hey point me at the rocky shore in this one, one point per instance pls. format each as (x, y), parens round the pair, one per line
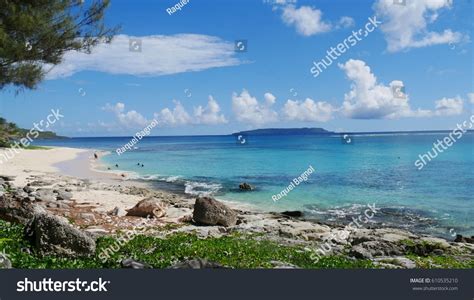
(64, 216)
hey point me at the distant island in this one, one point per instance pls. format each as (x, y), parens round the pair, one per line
(286, 131)
(322, 131)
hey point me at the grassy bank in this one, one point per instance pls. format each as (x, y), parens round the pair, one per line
(235, 251)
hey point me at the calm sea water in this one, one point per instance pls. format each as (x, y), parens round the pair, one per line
(439, 199)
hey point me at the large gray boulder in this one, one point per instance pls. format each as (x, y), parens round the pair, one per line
(54, 235)
(13, 209)
(208, 211)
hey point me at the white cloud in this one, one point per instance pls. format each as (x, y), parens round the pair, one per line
(279, 2)
(308, 111)
(269, 99)
(129, 119)
(368, 99)
(247, 109)
(471, 97)
(177, 116)
(307, 21)
(160, 55)
(449, 106)
(209, 114)
(346, 22)
(407, 26)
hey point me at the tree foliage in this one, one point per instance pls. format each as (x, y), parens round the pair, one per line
(36, 33)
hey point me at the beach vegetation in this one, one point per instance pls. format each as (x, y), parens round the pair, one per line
(235, 251)
(10, 132)
(35, 35)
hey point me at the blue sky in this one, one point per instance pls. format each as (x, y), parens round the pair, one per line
(189, 77)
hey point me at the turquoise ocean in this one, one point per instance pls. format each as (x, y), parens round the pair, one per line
(373, 168)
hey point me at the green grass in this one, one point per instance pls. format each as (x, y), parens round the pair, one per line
(417, 247)
(237, 251)
(451, 260)
(441, 262)
(32, 147)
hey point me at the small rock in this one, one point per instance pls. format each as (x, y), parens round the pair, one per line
(462, 239)
(245, 186)
(30, 199)
(28, 189)
(186, 219)
(117, 211)
(89, 217)
(62, 205)
(129, 263)
(148, 207)
(294, 213)
(5, 263)
(282, 265)
(7, 178)
(45, 195)
(358, 251)
(21, 195)
(395, 262)
(63, 195)
(39, 183)
(197, 264)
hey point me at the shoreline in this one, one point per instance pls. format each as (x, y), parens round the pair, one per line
(72, 184)
(80, 164)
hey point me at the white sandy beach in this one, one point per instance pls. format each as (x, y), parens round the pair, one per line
(70, 162)
(35, 162)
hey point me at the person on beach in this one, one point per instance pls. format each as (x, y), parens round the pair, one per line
(95, 156)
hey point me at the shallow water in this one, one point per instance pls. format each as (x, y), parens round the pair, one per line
(373, 169)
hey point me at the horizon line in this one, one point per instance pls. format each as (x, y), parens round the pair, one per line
(238, 132)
